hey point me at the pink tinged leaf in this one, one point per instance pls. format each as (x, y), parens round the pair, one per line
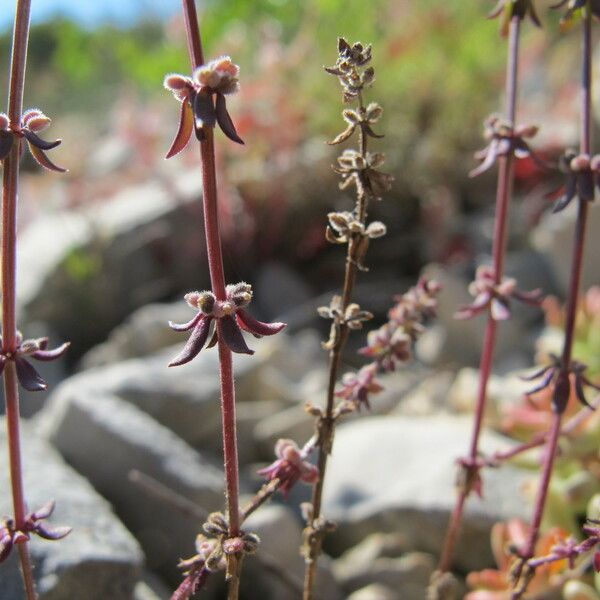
(42, 160)
(6, 143)
(204, 110)
(499, 310)
(252, 325)
(38, 142)
(231, 334)
(52, 533)
(47, 355)
(28, 377)
(186, 126)
(194, 344)
(186, 326)
(225, 122)
(44, 512)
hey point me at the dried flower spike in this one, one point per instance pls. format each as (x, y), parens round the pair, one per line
(232, 319)
(203, 103)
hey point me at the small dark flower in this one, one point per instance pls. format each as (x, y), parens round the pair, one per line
(507, 9)
(37, 349)
(582, 175)
(290, 467)
(10, 535)
(31, 122)
(230, 317)
(559, 379)
(505, 140)
(357, 387)
(202, 98)
(493, 296)
(574, 8)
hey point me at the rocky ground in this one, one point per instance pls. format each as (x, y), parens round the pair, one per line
(123, 412)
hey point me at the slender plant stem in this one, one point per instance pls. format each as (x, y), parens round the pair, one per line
(503, 197)
(327, 421)
(217, 278)
(572, 301)
(9, 272)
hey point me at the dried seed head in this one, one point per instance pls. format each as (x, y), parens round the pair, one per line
(376, 229)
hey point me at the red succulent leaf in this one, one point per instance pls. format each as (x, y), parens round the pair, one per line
(194, 344)
(258, 328)
(186, 126)
(230, 333)
(28, 377)
(224, 120)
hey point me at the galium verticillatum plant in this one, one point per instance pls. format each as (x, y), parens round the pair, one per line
(221, 313)
(17, 129)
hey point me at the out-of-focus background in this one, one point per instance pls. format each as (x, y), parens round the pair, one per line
(107, 250)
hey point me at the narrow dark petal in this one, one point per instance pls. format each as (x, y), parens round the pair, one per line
(533, 297)
(194, 344)
(570, 191)
(204, 110)
(42, 160)
(6, 142)
(186, 126)
(52, 533)
(585, 186)
(231, 335)
(536, 374)
(534, 16)
(6, 545)
(587, 382)
(225, 122)
(38, 142)
(186, 326)
(46, 355)
(580, 392)
(370, 132)
(522, 149)
(2, 363)
(544, 383)
(249, 323)
(44, 512)
(28, 377)
(214, 339)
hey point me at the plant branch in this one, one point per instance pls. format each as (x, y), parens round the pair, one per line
(503, 197)
(217, 277)
(8, 283)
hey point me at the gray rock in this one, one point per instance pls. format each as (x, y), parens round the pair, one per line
(397, 474)
(428, 397)
(184, 399)
(119, 255)
(375, 591)
(105, 439)
(553, 238)
(99, 559)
